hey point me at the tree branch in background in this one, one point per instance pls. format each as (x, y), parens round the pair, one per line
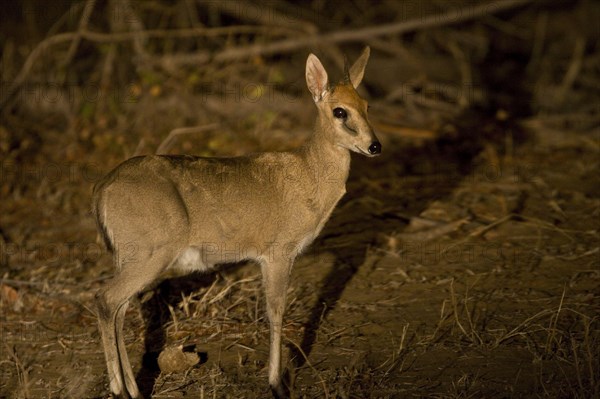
(83, 23)
(354, 35)
(283, 46)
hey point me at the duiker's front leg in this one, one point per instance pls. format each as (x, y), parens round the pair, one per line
(276, 276)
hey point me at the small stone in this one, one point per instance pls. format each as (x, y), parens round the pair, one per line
(174, 360)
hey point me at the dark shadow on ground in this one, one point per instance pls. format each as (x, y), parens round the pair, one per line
(155, 312)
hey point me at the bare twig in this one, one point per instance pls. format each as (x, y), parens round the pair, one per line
(538, 42)
(554, 322)
(52, 284)
(455, 311)
(132, 22)
(434, 232)
(83, 22)
(168, 142)
(192, 12)
(573, 70)
(105, 77)
(403, 131)
(354, 35)
(22, 371)
(301, 351)
(464, 66)
(267, 15)
(74, 9)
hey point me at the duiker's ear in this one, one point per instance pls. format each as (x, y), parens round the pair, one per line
(358, 69)
(316, 78)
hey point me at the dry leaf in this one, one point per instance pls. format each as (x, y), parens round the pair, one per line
(11, 297)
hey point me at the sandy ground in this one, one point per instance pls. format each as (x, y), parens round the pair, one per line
(444, 272)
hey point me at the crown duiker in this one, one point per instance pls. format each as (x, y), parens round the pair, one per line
(175, 209)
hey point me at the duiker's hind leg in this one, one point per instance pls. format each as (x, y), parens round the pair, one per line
(130, 383)
(112, 305)
(107, 327)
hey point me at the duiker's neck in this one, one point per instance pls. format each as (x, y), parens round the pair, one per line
(323, 152)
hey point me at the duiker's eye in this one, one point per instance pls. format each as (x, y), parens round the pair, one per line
(340, 113)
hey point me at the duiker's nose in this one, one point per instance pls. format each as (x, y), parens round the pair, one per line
(375, 148)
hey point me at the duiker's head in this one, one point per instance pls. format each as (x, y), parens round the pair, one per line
(341, 107)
